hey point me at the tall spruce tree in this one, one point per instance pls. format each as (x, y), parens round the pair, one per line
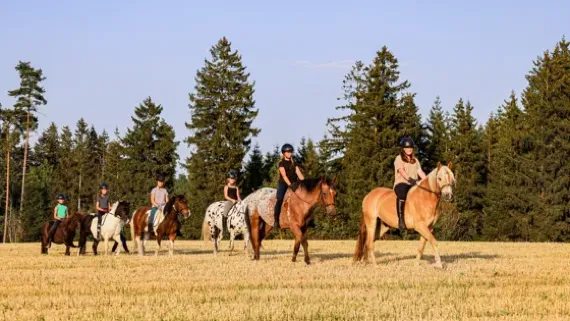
(380, 113)
(222, 110)
(65, 177)
(437, 139)
(30, 96)
(82, 164)
(546, 100)
(149, 150)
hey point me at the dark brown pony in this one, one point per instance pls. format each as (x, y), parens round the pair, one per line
(169, 224)
(64, 234)
(86, 224)
(296, 212)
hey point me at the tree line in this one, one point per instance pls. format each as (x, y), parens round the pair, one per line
(512, 173)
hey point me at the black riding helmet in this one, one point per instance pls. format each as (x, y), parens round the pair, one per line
(160, 178)
(60, 196)
(231, 174)
(287, 148)
(103, 185)
(407, 142)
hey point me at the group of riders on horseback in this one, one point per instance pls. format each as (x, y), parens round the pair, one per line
(407, 172)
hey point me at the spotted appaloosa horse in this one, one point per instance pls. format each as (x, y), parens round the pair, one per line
(421, 212)
(112, 224)
(63, 235)
(298, 205)
(213, 226)
(164, 224)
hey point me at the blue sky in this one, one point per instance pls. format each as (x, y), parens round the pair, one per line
(102, 58)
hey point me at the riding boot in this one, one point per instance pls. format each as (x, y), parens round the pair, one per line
(400, 207)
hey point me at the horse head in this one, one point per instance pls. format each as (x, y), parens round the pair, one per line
(445, 179)
(121, 209)
(179, 204)
(328, 194)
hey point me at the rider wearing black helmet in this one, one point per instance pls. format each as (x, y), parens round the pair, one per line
(407, 170)
(231, 191)
(102, 205)
(289, 173)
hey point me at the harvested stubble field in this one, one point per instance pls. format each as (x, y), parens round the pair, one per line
(480, 281)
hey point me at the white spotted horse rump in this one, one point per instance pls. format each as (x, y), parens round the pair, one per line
(215, 216)
(263, 201)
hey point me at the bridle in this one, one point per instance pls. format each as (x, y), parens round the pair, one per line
(438, 194)
(322, 197)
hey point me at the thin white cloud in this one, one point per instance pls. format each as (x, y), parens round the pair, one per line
(341, 64)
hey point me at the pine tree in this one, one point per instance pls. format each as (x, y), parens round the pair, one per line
(380, 113)
(270, 162)
(253, 176)
(82, 164)
(310, 165)
(546, 101)
(30, 96)
(149, 150)
(65, 177)
(46, 149)
(222, 110)
(437, 140)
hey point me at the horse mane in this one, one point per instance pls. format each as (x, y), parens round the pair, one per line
(309, 184)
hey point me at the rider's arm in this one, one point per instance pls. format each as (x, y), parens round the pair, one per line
(403, 173)
(284, 175)
(97, 206)
(55, 213)
(239, 197)
(299, 174)
(152, 200)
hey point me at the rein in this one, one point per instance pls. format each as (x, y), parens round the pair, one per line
(321, 196)
(440, 187)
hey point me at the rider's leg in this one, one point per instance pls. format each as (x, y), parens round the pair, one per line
(401, 195)
(99, 218)
(281, 190)
(151, 220)
(52, 232)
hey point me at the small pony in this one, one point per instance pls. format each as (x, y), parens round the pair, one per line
(112, 224)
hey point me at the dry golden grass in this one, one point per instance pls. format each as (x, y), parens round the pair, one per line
(480, 281)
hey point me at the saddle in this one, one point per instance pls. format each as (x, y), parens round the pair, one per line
(158, 218)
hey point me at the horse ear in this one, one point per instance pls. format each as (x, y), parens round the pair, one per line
(334, 180)
(449, 165)
(438, 165)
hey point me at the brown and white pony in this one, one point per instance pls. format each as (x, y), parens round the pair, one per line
(64, 234)
(166, 223)
(421, 212)
(297, 210)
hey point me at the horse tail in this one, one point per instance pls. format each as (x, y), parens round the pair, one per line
(359, 251)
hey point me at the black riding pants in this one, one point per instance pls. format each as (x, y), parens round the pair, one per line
(53, 229)
(402, 190)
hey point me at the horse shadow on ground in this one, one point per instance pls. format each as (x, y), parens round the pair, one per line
(445, 258)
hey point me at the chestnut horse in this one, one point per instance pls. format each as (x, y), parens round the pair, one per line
(297, 210)
(64, 234)
(421, 212)
(164, 225)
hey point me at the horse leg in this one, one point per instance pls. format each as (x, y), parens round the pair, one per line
(426, 233)
(140, 242)
(246, 243)
(106, 246)
(67, 253)
(298, 238)
(232, 237)
(421, 249)
(305, 245)
(171, 248)
(255, 221)
(158, 240)
(117, 239)
(95, 244)
(370, 234)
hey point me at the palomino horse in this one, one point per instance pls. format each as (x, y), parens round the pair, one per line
(213, 226)
(63, 235)
(112, 224)
(421, 212)
(164, 225)
(297, 210)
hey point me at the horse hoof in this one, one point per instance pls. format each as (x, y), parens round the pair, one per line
(438, 265)
(308, 262)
